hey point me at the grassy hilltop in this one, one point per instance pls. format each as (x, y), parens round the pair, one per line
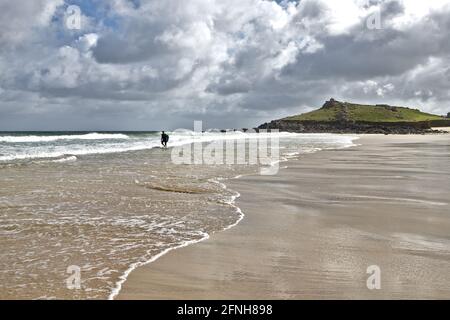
(344, 111)
(345, 117)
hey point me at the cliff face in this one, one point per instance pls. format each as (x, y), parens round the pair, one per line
(343, 117)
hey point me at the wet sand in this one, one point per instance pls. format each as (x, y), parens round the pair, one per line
(446, 129)
(311, 231)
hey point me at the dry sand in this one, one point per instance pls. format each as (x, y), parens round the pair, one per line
(311, 231)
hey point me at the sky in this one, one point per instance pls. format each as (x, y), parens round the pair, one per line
(152, 65)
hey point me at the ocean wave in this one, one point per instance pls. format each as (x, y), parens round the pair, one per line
(87, 136)
(98, 143)
(57, 152)
(66, 159)
(103, 145)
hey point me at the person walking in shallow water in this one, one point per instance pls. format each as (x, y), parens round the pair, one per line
(164, 139)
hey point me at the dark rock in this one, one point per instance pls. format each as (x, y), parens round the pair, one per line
(331, 103)
(348, 127)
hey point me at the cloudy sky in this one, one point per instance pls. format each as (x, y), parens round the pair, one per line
(147, 64)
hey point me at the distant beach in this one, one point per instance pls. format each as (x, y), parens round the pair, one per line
(312, 231)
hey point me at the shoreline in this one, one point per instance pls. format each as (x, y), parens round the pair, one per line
(320, 244)
(123, 278)
(116, 292)
(143, 205)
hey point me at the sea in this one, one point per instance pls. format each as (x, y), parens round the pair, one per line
(79, 211)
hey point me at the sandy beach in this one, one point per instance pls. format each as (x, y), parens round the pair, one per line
(228, 150)
(54, 194)
(311, 231)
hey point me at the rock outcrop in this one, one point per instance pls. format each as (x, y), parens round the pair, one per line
(348, 127)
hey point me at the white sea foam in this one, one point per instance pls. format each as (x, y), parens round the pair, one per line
(96, 143)
(66, 159)
(88, 136)
(62, 159)
(204, 236)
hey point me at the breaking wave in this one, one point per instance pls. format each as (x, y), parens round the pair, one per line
(38, 138)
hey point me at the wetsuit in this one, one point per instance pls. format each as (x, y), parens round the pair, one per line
(164, 139)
